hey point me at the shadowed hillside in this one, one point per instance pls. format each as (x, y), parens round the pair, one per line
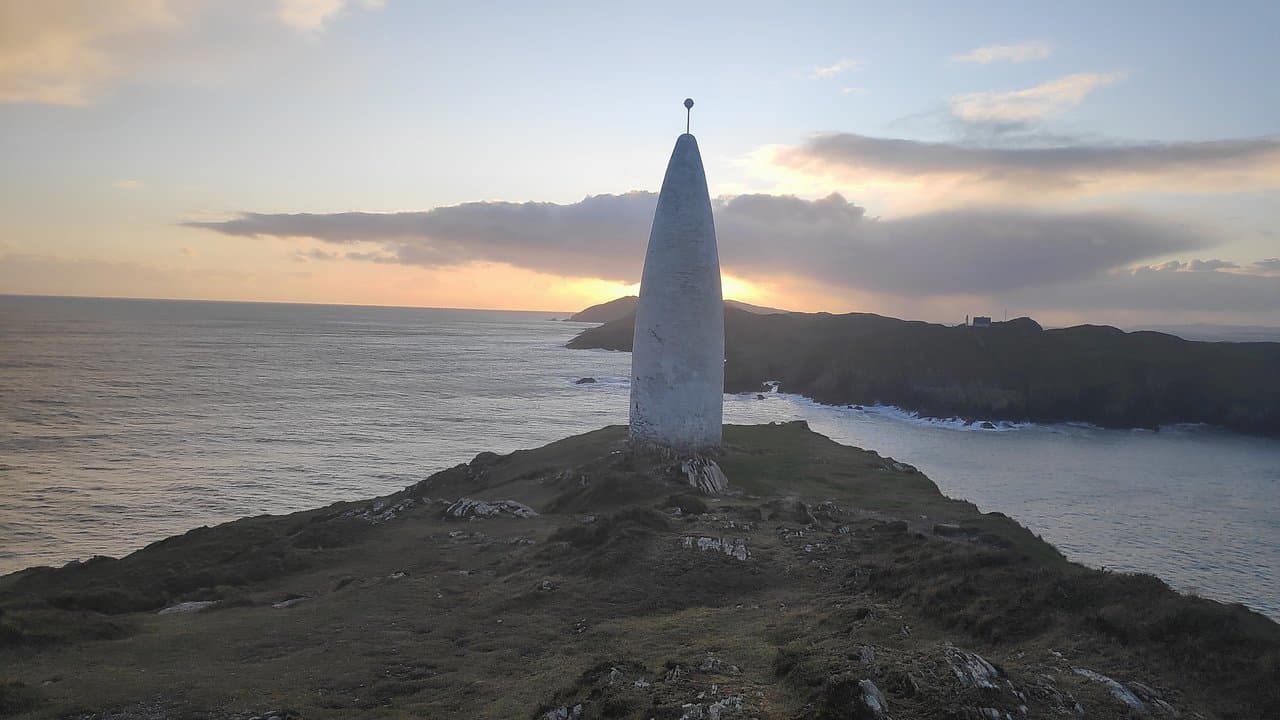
(1010, 371)
(827, 582)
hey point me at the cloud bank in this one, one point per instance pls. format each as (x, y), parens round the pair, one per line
(829, 240)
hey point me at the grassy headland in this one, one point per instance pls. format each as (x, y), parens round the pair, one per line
(1010, 371)
(829, 575)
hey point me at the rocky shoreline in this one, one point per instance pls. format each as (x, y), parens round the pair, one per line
(786, 576)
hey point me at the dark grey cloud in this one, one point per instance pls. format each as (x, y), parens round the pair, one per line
(1268, 265)
(830, 240)
(601, 236)
(1071, 166)
(1160, 289)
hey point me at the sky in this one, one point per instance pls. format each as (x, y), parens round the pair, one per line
(1076, 162)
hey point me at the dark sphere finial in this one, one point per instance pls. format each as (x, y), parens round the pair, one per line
(688, 103)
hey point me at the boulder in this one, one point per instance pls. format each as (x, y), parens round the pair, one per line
(873, 701)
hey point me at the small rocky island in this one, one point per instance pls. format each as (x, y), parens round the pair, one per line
(1015, 370)
(589, 579)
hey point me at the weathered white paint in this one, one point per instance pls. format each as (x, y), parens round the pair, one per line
(677, 357)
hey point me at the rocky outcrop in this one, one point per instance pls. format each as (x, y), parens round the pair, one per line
(469, 509)
(704, 475)
(381, 510)
(973, 670)
(735, 548)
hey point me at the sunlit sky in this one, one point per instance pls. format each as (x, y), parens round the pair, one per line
(1101, 162)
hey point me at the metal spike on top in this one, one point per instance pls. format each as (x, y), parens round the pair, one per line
(688, 113)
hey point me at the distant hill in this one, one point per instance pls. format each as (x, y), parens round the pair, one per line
(625, 306)
(1013, 370)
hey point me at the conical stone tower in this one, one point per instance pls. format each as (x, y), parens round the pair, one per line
(677, 360)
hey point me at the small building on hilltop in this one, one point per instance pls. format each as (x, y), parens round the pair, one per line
(981, 321)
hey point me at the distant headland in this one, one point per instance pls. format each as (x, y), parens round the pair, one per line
(1009, 371)
(624, 307)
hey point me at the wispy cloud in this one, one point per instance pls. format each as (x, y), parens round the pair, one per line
(1029, 104)
(127, 184)
(315, 14)
(1195, 265)
(956, 173)
(68, 52)
(55, 52)
(1016, 53)
(835, 69)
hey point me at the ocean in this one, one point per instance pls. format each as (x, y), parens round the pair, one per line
(126, 421)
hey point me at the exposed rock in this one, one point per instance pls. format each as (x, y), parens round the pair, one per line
(710, 663)
(704, 475)
(724, 708)
(953, 530)
(733, 547)
(380, 510)
(184, 608)
(1117, 690)
(285, 604)
(873, 700)
(866, 655)
(1152, 699)
(467, 508)
(988, 425)
(564, 712)
(584, 381)
(1043, 688)
(972, 670)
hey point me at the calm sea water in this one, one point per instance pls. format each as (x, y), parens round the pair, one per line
(124, 421)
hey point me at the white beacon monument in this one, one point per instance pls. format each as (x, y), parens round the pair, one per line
(677, 356)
